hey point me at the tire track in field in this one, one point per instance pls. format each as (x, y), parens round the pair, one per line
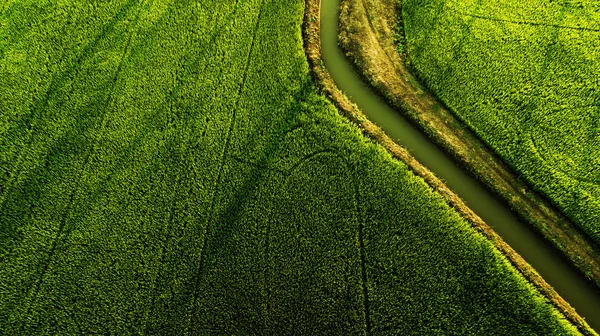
(549, 55)
(526, 129)
(220, 172)
(529, 125)
(57, 80)
(588, 154)
(363, 253)
(361, 244)
(283, 172)
(548, 162)
(267, 269)
(144, 133)
(34, 289)
(360, 228)
(137, 141)
(265, 165)
(179, 82)
(263, 170)
(258, 165)
(306, 158)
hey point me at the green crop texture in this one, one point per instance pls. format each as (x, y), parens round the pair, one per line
(168, 167)
(524, 75)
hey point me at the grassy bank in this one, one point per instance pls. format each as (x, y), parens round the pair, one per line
(523, 76)
(169, 167)
(371, 34)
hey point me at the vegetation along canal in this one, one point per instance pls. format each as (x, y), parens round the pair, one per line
(555, 269)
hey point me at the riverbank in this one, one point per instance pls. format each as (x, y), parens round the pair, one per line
(311, 34)
(367, 35)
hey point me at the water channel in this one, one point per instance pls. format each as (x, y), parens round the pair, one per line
(550, 263)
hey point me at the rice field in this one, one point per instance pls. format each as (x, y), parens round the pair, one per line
(524, 76)
(168, 167)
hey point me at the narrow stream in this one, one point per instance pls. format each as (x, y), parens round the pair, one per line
(551, 264)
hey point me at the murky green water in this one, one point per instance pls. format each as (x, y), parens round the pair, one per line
(555, 269)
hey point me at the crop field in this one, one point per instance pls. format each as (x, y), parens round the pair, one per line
(524, 76)
(169, 167)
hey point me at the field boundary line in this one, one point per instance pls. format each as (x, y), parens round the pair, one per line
(312, 45)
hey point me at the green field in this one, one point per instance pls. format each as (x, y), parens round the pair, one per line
(524, 76)
(168, 167)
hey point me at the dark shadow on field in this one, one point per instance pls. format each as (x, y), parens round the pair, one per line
(56, 91)
(64, 151)
(256, 176)
(65, 79)
(262, 179)
(93, 112)
(60, 81)
(65, 144)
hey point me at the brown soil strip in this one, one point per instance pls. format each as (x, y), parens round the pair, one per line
(420, 99)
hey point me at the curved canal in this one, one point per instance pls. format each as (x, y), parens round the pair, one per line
(551, 264)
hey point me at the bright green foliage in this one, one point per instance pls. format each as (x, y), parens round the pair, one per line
(524, 75)
(168, 167)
